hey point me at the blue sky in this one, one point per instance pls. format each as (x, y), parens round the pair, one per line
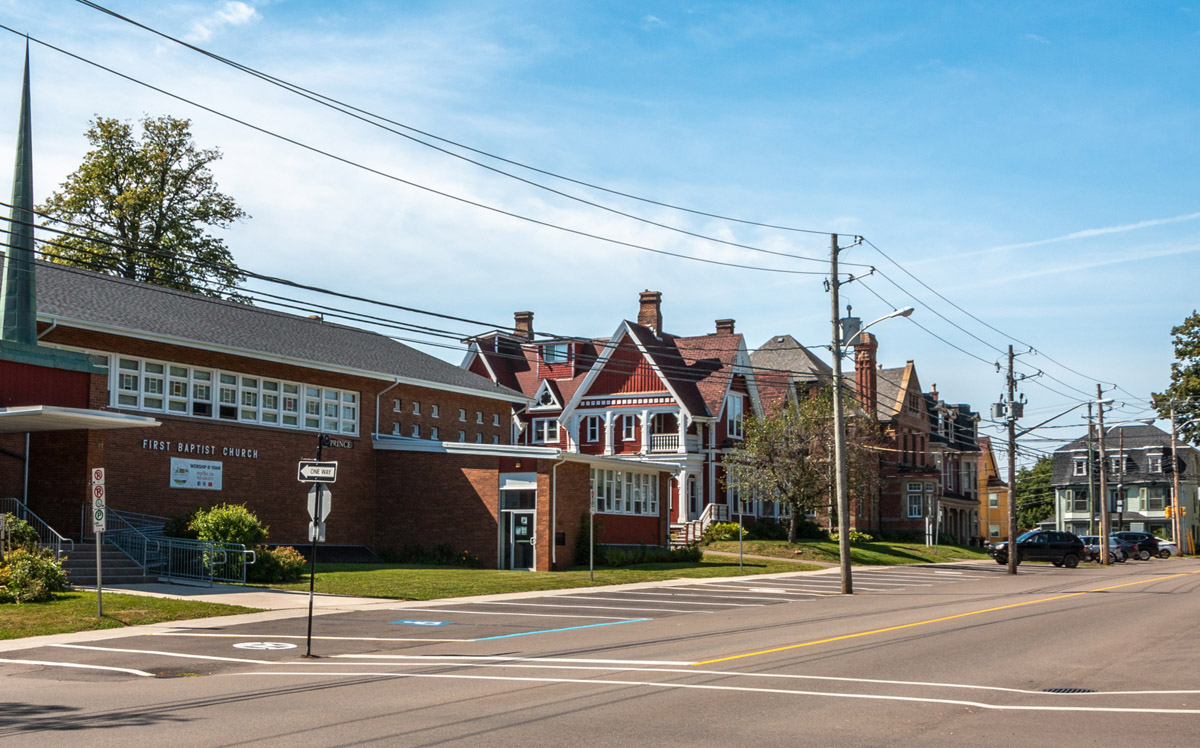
(1033, 162)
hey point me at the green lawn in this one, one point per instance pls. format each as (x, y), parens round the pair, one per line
(413, 582)
(881, 554)
(76, 611)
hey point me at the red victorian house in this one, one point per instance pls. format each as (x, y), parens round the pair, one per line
(642, 395)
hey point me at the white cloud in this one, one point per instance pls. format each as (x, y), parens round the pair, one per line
(230, 13)
(1037, 38)
(652, 22)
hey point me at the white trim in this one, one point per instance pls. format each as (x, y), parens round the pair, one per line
(602, 360)
(323, 366)
(27, 418)
(405, 444)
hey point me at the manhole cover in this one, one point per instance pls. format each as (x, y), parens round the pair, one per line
(1068, 690)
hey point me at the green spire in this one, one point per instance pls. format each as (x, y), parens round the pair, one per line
(18, 294)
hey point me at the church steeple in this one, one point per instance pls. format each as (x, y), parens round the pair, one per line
(18, 294)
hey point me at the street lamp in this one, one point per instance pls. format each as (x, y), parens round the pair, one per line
(839, 427)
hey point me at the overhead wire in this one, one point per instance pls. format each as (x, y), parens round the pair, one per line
(392, 177)
(348, 108)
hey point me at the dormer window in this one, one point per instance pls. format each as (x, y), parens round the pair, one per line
(735, 416)
(554, 353)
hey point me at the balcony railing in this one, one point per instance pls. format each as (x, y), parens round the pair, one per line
(664, 442)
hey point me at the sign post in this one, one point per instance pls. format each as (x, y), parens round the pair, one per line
(99, 524)
(319, 500)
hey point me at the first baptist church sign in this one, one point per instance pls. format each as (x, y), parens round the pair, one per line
(191, 448)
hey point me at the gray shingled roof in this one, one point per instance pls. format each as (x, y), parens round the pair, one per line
(1137, 439)
(786, 353)
(74, 294)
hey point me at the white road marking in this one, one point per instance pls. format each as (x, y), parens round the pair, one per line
(302, 636)
(499, 613)
(470, 659)
(742, 689)
(597, 607)
(756, 590)
(47, 663)
(159, 653)
(643, 600)
(720, 595)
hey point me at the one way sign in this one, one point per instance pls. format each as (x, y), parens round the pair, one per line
(312, 471)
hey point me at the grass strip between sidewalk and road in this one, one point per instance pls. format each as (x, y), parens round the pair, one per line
(69, 612)
(862, 554)
(415, 582)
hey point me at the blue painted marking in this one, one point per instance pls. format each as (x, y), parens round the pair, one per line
(568, 628)
(421, 623)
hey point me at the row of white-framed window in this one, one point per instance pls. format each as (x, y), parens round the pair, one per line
(434, 434)
(435, 412)
(625, 492)
(200, 392)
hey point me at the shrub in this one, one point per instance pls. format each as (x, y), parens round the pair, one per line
(806, 529)
(30, 577)
(767, 529)
(614, 556)
(902, 536)
(228, 523)
(720, 531)
(180, 526)
(855, 537)
(20, 533)
(274, 565)
(441, 555)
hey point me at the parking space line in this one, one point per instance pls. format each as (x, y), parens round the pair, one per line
(80, 665)
(597, 607)
(502, 613)
(755, 590)
(641, 600)
(302, 636)
(696, 594)
(510, 658)
(568, 628)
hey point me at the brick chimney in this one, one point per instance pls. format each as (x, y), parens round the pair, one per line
(724, 327)
(650, 311)
(523, 325)
(933, 392)
(865, 373)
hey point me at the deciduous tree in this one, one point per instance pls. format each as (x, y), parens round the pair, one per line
(144, 209)
(1184, 391)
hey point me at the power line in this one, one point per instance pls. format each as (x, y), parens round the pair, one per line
(348, 109)
(410, 183)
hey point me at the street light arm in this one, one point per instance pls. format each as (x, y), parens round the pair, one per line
(1048, 420)
(901, 312)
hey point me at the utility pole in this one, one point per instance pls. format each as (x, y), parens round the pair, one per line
(1091, 473)
(1105, 558)
(839, 428)
(1121, 479)
(1176, 520)
(1012, 466)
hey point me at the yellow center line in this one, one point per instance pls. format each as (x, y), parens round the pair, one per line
(939, 620)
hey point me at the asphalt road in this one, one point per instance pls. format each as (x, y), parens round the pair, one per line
(930, 656)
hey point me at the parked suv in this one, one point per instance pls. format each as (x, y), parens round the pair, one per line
(1147, 544)
(1118, 549)
(1059, 548)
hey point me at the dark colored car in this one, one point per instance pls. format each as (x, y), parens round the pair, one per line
(1147, 544)
(1059, 548)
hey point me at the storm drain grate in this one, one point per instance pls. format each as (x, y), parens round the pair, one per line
(1068, 690)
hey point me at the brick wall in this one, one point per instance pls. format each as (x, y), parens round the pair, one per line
(258, 462)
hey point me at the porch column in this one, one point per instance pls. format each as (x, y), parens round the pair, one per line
(608, 432)
(645, 416)
(681, 419)
(682, 510)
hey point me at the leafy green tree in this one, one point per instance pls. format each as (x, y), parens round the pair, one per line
(142, 209)
(1035, 497)
(786, 456)
(1184, 391)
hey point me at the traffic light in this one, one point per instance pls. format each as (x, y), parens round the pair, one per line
(1168, 512)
